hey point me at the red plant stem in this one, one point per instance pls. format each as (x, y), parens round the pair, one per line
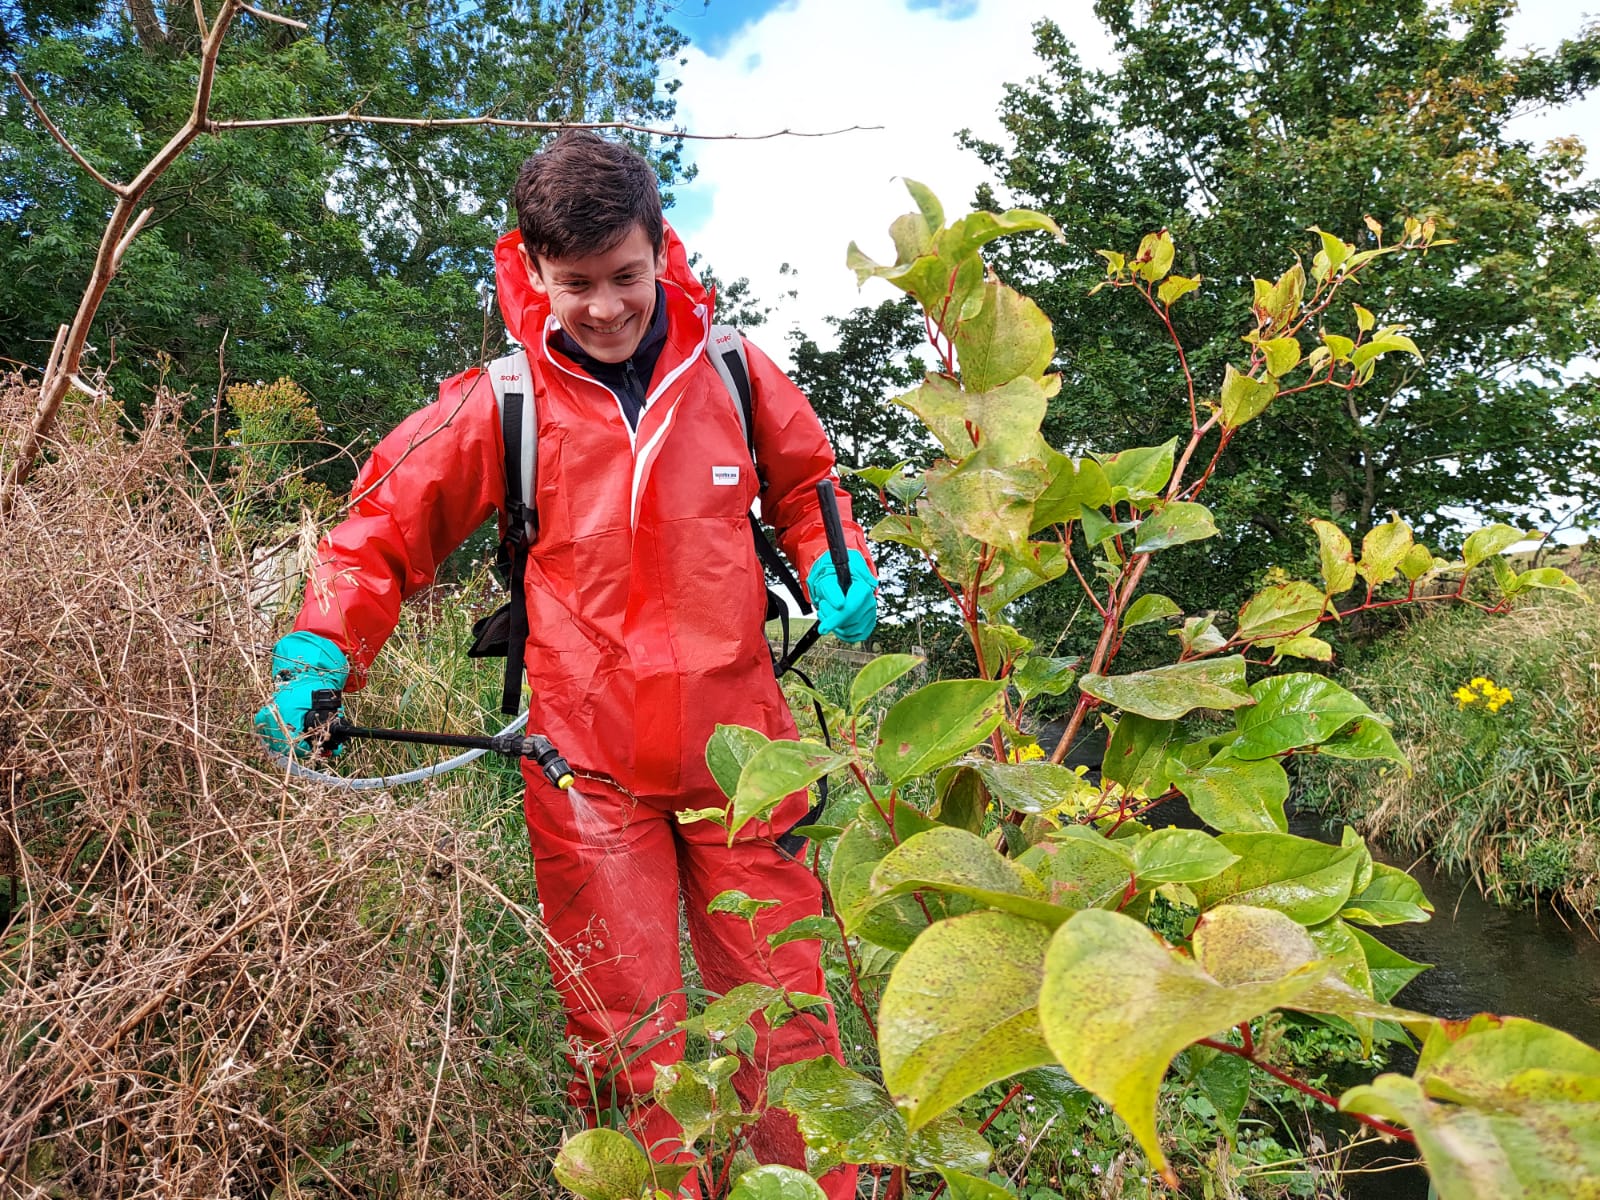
(1188, 452)
(1183, 361)
(1015, 1091)
(1369, 605)
(888, 817)
(1087, 590)
(1193, 490)
(854, 969)
(1282, 1076)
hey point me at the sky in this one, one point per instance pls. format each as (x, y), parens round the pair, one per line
(921, 69)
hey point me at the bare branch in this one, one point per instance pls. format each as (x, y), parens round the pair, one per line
(115, 189)
(278, 18)
(55, 356)
(113, 243)
(353, 118)
(127, 238)
(87, 389)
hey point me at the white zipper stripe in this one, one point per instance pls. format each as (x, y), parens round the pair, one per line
(646, 457)
(642, 459)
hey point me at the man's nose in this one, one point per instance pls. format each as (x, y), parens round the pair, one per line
(605, 305)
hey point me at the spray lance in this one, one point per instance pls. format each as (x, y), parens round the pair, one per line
(325, 722)
(332, 730)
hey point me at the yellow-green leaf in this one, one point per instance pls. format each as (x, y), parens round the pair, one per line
(1117, 1006)
(1281, 303)
(1173, 524)
(1303, 646)
(961, 1011)
(1281, 609)
(1338, 563)
(1487, 542)
(1383, 550)
(1417, 562)
(1283, 355)
(1009, 337)
(1150, 607)
(1167, 693)
(1154, 258)
(1244, 398)
(1174, 287)
(936, 723)
(1502, 1109)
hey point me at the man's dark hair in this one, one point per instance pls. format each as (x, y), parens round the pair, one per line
(581, 195)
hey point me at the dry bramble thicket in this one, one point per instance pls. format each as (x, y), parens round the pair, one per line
(214, 980)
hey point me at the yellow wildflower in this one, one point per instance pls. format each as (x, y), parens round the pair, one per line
(1481, 687)
(1027, 753)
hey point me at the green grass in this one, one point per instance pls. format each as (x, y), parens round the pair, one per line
(1512, 796)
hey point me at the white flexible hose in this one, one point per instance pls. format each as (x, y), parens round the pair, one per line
(372, 782)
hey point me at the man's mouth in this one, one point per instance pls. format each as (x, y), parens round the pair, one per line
(608, 330)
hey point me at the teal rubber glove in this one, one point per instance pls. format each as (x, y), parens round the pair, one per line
(852, 617)
(302, 663)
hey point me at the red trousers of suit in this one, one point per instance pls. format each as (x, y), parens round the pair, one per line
(610, 870)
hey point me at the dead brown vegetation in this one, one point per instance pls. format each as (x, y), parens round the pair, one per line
(215, 980)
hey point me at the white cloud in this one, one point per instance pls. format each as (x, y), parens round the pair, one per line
(920, 72)
(922, 69)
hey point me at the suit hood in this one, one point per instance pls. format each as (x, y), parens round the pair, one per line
(525, 309)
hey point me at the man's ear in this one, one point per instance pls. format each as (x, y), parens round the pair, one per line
(661, 260)
(533, 270)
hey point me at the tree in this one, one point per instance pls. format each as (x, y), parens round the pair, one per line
(353, 259)
(1237, 126)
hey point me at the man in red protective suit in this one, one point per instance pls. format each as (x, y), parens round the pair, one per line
(646, 606)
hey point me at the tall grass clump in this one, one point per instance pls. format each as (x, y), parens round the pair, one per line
(1507, 789)
(216, 980)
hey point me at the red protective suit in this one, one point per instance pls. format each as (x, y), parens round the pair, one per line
(645, 609)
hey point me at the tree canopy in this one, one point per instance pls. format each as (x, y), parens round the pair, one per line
(1240, 126)
(352, 258)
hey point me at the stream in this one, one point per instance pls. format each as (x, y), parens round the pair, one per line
(1523, 963)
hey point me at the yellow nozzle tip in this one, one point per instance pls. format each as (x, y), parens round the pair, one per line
(564, 782)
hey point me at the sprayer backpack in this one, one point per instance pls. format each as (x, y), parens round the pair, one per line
(504, 632)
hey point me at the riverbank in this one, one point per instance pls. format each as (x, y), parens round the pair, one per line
(1505, 792)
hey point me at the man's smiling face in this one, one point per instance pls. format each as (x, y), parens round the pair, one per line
(604, 301)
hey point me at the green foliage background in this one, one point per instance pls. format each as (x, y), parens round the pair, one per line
(351, 259)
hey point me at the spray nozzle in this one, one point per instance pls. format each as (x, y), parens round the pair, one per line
(555, 767)
(539, 749)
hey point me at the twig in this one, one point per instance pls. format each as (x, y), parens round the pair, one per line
(1304, 1088)
(127, 238)
(115, 189)
(354, 118)
(276, 18)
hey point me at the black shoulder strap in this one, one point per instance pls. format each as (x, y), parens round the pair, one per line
(519, 432)
(726, 351)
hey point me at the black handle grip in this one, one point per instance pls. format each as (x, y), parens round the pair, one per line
(837, 550)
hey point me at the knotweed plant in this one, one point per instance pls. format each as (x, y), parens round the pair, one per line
(1047, 931)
